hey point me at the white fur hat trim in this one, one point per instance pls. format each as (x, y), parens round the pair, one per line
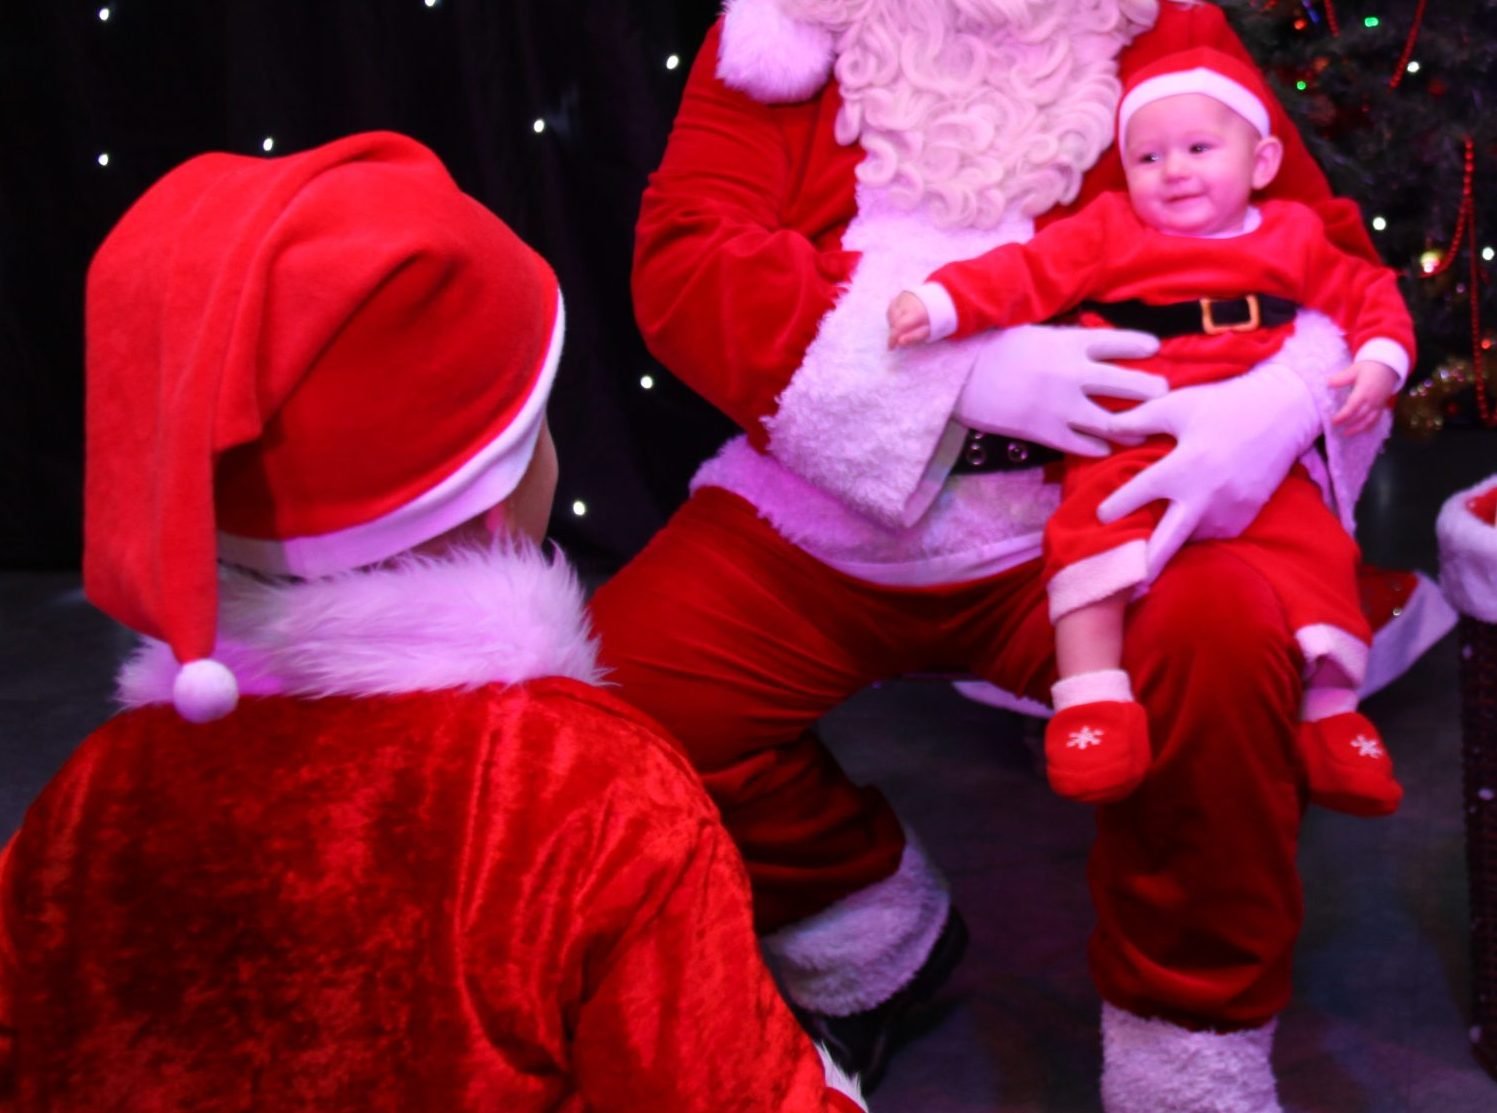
(1208, 82)
(771, 56)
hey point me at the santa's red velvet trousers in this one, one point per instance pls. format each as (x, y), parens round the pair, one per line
(738, 642)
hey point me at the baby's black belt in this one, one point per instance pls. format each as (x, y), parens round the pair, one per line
(989, 452)
(1204, 315)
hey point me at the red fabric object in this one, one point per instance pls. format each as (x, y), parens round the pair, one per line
(1197, 896)
(1484, 506)
(1348, 767)
(255, 326)
(1105, 253)
(511, 898)
(1097, 752)
(1295, 542)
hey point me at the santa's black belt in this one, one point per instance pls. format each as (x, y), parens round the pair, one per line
(1205, 315)
(987, 452)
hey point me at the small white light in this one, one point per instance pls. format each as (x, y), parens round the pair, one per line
(1412, 67)
(1378, 223)
(104, 161)
(1488, 254)
(648, 381)
(673, 61)
(539, 126)
(431, 3)
(579, 507)
(103, 15)
(267, 144)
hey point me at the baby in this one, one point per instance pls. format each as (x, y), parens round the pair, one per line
(1189, 257)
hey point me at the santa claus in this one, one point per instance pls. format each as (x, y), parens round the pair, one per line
(882, 512)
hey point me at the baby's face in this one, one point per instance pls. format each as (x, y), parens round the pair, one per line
(1192, 164)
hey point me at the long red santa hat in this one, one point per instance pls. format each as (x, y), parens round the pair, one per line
(301, 365)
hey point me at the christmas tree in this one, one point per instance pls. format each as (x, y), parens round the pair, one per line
(1390, 95)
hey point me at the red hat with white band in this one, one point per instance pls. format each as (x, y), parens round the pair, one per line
(300, 365)
(1211, 73)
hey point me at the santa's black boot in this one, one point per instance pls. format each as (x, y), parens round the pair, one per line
(862, 1042)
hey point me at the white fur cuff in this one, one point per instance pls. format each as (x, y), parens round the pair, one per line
(867, 946)
(1152, 1066)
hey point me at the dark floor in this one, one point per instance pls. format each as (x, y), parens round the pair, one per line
(1380, 1022)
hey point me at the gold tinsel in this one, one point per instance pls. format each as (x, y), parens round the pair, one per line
(1421, 409)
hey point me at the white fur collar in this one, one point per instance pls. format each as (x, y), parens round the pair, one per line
(468, 618)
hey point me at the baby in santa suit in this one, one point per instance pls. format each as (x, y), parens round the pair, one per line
(1187, 256)
(368, 835)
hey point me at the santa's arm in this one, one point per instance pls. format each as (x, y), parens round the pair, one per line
(679, 1011)
(727, 294)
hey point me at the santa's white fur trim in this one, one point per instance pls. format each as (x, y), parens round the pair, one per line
(1468, 555)
(858, 420)
(866, 947)
(978, 525)
(1097, 577)
(839, 1080)
(770, 55)
(1316, 350)
(1152, 1066)
(468, 618)
(1404, 638)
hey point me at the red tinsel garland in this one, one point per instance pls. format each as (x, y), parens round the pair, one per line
(1408, 46)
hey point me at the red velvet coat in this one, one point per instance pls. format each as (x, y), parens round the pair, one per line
(403, 895)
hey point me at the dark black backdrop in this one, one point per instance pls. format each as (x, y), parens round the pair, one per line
(162, 80)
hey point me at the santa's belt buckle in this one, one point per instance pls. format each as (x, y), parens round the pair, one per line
(1211, 328)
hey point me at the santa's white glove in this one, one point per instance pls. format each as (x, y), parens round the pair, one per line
(1034, 382)
(1236, 441)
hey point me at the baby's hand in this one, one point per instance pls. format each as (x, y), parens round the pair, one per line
(909, 323)
(1372, 384)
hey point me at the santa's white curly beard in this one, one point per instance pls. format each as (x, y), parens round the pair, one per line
(978, 110)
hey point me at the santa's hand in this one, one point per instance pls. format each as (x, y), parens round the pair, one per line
(1036, 382)
(1236, 441)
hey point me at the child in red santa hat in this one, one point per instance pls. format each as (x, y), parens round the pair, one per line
(368, 835)
(1188, 256)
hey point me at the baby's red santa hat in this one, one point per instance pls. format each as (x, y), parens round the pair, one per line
(301, 365)
(1199, 70)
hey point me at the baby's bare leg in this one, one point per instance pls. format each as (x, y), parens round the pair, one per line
(1090, 638)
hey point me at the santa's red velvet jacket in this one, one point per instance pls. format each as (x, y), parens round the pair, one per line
(763, 270)
(427, 864)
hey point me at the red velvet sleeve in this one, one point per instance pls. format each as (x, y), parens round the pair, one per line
(9, 967)
(1362, 297)
(728, 296)
(1027, 283)
(1181, 27)
(681, 1013)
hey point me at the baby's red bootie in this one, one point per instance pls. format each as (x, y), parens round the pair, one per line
(1348, 766)
(1097, 752)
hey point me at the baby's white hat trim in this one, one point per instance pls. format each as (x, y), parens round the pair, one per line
(1236, 96)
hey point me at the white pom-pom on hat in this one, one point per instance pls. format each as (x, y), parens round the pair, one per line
(773, 57)
(204, 690)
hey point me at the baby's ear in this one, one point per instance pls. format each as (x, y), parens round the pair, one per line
(1267, 157)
